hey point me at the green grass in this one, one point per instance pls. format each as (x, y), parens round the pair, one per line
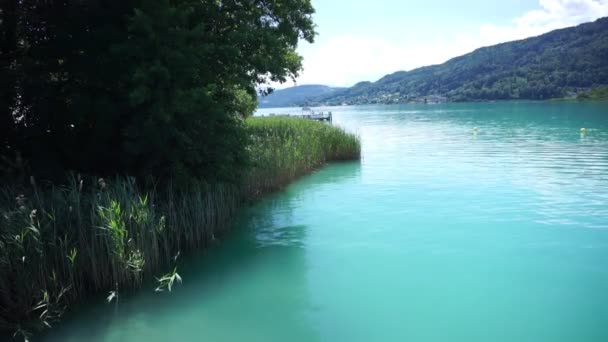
(59, 244)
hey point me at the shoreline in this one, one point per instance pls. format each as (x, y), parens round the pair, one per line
(94, 237)
(446, 102)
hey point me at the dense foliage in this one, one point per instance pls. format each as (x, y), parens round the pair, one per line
(557, 64)
(139, 87)
(292, 96)
(61, 243)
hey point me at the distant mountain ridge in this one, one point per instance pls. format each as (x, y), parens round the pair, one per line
(556, 64)
(295, 95)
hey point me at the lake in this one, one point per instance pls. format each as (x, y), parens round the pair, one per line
(440, 233)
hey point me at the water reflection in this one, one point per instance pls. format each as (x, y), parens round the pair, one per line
(238, 290)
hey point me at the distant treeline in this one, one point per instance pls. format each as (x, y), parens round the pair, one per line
(294, 95)
(600, 93)
(558, 64)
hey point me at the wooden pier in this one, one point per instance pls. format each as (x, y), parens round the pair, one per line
(307, 114)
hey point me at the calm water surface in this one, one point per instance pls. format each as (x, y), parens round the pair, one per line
(438, 234)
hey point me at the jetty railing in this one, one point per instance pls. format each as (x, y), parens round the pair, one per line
(309, 116)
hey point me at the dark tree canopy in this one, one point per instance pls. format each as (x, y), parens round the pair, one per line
(143, 87)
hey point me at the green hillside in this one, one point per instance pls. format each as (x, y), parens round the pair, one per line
(561, 63)
(293, 96)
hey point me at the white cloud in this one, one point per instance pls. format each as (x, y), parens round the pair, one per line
(345, 60)
(552, 14)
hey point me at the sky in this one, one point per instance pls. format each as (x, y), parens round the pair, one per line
(363, 40)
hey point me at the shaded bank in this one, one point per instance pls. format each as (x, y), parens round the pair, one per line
(60, 243)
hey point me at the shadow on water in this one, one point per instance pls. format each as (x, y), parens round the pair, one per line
(237, 290)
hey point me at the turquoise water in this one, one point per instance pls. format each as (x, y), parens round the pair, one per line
(438, 234)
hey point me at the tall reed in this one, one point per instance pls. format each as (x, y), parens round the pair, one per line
(283, 149)
(59, 244)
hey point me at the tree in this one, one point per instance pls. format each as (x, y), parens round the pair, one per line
(8, 50)
(147, 87)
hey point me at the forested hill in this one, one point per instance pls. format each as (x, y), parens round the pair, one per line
(557, 64)
(294, 95)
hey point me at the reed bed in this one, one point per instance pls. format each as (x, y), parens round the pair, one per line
(283, 149)
(59, 244)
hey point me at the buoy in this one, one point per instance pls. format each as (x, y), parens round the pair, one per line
(583, 130)
(475, 129)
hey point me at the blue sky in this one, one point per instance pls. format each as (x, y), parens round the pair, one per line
(362, 40)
